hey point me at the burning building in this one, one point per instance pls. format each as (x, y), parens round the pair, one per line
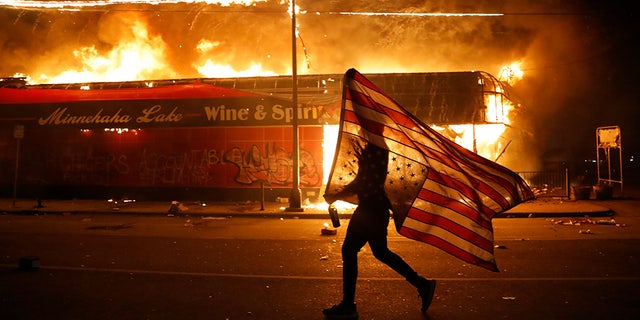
(87, 114)
(219, 138)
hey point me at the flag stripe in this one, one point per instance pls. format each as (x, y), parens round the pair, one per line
(467, 190)
(449, 219)
(449, 239)
(463, 208)
(487, 262)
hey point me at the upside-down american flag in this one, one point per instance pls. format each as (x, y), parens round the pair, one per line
(440, 193)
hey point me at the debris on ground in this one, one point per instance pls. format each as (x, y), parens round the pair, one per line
(586, 221)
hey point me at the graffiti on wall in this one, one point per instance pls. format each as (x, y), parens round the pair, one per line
(188, 169)
(214, 157)
(91, 168)
(202, 167)
(274, 166)
(271, 166)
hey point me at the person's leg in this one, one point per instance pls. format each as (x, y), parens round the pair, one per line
(382, 252)
(353, 242)
(426, 288)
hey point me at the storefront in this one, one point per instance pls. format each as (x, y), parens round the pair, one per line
(188, 141)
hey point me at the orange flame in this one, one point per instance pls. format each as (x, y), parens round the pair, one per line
(136, 56)
(511, 73)
(485, 138)
(212, 69)
(141, 56)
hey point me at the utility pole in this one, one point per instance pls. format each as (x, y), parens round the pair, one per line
(295, 198)
(18, 134)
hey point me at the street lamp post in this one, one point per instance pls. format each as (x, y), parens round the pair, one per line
(295, 203)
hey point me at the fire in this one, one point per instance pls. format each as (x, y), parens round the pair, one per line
(212, 69)
(511, 73)
(485, 138)
(136, 56)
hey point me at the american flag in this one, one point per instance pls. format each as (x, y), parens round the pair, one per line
(440, 193)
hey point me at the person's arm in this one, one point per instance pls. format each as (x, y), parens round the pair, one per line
(348, 191)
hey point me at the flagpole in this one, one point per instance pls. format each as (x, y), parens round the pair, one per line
(295, 196)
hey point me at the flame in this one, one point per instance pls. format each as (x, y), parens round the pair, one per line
(212, 69)
(485, 138)
(141, 56)
(511, 73)
(136, 56)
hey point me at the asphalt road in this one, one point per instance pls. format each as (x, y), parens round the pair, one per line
(134, 267)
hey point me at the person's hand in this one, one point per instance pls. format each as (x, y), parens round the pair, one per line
(329, 198)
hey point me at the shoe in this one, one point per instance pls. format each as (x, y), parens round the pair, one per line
(426, 291)
(341, 311)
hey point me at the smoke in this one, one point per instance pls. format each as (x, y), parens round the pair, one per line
(570, 86)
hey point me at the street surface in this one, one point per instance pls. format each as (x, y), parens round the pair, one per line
(137, 267)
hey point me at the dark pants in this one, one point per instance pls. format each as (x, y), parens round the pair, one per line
(369, 225)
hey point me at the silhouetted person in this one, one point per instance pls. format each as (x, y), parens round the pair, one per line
(369, 223)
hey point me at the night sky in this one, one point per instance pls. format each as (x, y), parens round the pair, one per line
(580, 58)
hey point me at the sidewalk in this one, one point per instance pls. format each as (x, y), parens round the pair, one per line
(541, 207)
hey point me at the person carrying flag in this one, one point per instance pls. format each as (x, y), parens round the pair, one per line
(369, 224)
(439, 192)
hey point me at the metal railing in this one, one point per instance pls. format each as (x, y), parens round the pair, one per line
(548, 183)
